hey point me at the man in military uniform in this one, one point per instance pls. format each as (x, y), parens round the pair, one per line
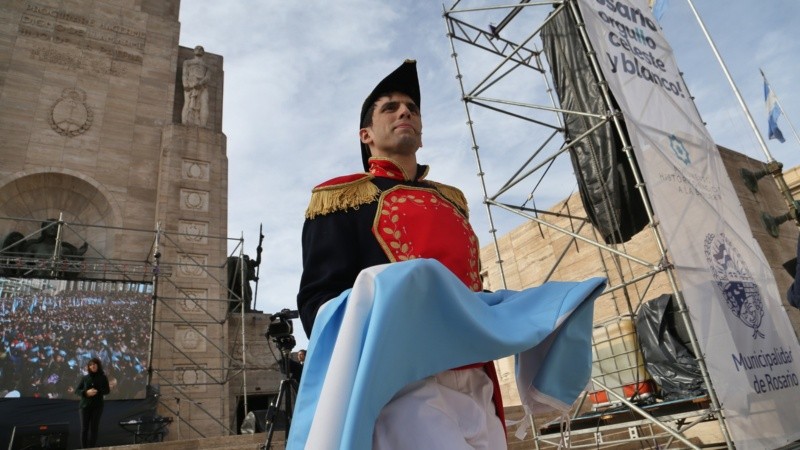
(392, 213)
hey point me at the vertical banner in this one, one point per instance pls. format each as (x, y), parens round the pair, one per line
(745, 335)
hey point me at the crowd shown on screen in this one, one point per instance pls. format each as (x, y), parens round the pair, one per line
(47, 340)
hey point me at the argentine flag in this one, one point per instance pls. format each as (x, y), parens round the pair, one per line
(774, 112)
(659, 7)
(406, 321)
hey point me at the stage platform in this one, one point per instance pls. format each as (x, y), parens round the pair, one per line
(240, 442)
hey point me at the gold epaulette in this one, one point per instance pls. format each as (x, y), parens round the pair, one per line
(454, 195)
(341, 193)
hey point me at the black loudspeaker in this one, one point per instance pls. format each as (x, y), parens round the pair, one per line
(255, 403)
(44, 436)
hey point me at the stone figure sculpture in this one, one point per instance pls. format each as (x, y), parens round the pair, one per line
(196, 76)
(234, 267)
(27, 257)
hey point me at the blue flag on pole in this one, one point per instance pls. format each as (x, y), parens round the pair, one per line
(774, 112)
(658, 7)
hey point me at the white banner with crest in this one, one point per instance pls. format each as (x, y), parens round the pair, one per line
(750, 347)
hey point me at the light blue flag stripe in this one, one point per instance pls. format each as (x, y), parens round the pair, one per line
(774, 112)
(659, 8)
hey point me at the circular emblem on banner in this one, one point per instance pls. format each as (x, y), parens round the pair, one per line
(70, 115)
(741, 293)
(680, 150)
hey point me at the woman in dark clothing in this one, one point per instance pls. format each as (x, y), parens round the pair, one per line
(91, 389)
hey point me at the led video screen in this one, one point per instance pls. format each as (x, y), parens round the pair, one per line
(49, 329)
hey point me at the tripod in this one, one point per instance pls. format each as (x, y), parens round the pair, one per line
(287, 392)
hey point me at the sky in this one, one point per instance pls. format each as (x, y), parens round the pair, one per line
(296, 73)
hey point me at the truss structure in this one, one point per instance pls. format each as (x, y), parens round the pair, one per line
(175, 372)
(171, 300)
(505, 80)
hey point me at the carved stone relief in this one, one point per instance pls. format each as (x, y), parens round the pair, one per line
(196, 76)
(191, 378)
(257, 352)
(195, 170)
(194, 200)
(70, 115)
(191, 339)
(192, 266)
(194, 300)
(193, 232)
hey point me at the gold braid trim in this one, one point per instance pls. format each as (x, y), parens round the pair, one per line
(454, 195)
(339, 197)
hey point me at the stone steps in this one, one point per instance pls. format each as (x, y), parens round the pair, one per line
(240, 442)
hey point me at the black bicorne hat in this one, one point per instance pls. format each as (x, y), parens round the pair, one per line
(403, 79)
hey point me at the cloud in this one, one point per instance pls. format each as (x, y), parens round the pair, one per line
(296, 73)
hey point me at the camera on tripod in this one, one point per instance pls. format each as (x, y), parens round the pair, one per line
(280, 329)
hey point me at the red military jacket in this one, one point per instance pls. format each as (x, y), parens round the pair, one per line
(381, 216)
(362, 220)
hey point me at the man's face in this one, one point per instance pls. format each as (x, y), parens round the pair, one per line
(396, 126)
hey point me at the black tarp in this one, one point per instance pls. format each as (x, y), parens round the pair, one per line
(37, 411)
(665, 347)
(605, 178)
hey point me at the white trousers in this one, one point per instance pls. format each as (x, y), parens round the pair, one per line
(452, 410)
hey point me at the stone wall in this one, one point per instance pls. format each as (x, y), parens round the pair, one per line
(91, 100)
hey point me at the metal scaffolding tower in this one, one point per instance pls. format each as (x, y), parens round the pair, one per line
(501, 70)
(217, 322)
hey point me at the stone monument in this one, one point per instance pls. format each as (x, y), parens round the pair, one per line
(196, 77)
(106, 122)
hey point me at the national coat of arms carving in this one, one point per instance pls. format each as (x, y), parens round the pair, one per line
(70, 115)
